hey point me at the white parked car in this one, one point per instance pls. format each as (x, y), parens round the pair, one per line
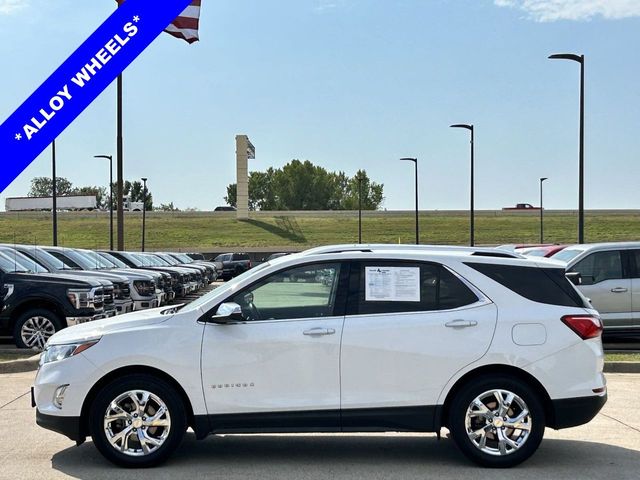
(338, 340)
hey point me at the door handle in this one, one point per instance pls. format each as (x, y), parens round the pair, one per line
(619, 290)
(461, 323)
(315, 332)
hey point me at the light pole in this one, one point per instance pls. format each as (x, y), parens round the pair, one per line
(472, 193)
(54, 210)
(415, 162)
(110, 158)
(541, 212)
(144, 209)
(580, 60)
(359, 208)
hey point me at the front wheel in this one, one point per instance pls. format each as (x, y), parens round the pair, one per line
(137, 421)
(34, 327)
(497, 421)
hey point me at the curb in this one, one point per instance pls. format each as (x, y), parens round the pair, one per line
(20, 366)
(622, 367)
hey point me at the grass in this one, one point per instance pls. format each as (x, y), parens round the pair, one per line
(297, 230)
(5, 357)
(622, 357)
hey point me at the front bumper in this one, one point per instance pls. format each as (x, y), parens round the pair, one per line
(144, 304)
(571, 412)
(124, 306)
(77, 320)
(67, 426)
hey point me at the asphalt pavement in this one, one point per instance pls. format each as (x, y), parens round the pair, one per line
(608, 447)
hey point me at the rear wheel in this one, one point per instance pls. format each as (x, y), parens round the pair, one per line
(497, 421)
(137, 421)
(34, 327)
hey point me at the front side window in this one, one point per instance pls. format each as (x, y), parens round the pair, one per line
(600, 266)
(393, 287)
(302, 292)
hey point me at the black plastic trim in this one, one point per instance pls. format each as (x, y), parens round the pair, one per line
(67, 426)
(571, 412)
(273, 422)
(393, 419)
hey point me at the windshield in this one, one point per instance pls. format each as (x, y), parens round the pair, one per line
(182, 257)
(169, 260)
(76, 257)
(133, 259)
(9, 264)
(144, 260)
(44, 257)
(116, 261)
(24, 261)
(567, 254)
(97, 261)
(226, 287)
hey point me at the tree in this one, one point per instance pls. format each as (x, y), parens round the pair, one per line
(372, 196)
(102, 197)
(304, 186)
(43, 187)
(135, 191)
(167, 207)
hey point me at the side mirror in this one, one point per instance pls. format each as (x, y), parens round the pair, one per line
(575, 278)
(228, 313)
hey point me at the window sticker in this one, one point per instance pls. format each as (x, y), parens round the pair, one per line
(392, 284)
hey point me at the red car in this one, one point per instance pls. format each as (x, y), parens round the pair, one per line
(541, 250)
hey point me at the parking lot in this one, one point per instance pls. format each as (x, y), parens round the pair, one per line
(608, 447)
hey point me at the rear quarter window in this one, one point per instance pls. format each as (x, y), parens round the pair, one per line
(542, 285)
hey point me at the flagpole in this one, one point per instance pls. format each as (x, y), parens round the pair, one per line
(120, 165)
(54, 209)
(119, 161)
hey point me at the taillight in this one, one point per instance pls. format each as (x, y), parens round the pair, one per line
(585, 326)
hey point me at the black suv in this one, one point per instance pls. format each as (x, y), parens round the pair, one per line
(34, 306)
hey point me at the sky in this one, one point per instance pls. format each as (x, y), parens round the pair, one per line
(351, 84)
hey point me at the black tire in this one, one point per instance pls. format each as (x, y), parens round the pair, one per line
(155, 386)
(52, 322)
(478, 386)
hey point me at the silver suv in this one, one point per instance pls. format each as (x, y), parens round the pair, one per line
(609, 276)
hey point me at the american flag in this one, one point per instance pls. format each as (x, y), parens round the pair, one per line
(185, 26)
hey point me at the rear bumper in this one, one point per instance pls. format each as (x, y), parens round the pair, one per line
(571, 412)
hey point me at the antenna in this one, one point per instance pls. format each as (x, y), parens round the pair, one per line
(35, 250)
(15, 253)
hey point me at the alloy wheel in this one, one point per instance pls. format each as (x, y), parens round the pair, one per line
(137, 423)
(36, 331)
(498, 422)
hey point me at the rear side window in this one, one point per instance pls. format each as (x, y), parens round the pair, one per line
(543, 285)
(240, 256)
(393, 287)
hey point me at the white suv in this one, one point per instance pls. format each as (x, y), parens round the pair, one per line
(338, 340)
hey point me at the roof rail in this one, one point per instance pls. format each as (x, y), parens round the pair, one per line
(367, 248)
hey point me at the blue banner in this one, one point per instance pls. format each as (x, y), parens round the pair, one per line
(79, 81)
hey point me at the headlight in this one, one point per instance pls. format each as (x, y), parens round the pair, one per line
(144, 287)
(55, 353)
(80, 298)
